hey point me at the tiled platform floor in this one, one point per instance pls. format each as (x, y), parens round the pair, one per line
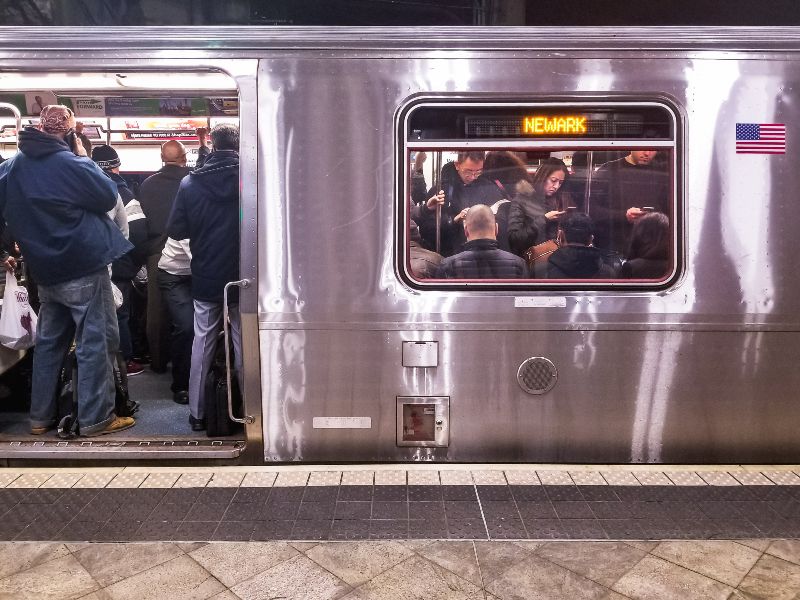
(402, 570)
(296, 505)
(406, 533)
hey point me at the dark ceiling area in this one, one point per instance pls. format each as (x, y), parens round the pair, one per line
(398, 12)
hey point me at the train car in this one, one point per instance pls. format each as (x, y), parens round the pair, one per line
(352, 355)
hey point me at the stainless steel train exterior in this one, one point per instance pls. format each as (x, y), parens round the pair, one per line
(336, 340)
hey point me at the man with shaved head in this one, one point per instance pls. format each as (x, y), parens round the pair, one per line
(157, 195)
(55, 201)
(481, 257)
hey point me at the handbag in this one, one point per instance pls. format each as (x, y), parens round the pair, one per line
(17, 318)
(540, 253)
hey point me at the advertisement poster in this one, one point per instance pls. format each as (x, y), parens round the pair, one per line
(162, 129)
(132, 107)
(88, 106)
(36, 101)
(219, 107)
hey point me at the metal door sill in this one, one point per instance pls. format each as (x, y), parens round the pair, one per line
(122, 449)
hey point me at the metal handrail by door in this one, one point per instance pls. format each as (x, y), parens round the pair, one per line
(242, 283)
(17, 116)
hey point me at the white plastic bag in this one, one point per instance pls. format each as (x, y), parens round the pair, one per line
(17, 319)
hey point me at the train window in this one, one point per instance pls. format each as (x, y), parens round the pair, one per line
(503, 195)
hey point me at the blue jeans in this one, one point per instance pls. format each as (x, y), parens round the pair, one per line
(81, 309)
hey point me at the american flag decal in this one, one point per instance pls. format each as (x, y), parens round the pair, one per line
(760, 138)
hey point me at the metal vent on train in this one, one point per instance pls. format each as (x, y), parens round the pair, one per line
(537, 375)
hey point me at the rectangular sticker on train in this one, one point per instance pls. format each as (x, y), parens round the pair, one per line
(540, 302)
(342, 423)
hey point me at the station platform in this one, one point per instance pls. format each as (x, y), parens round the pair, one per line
(373, 532)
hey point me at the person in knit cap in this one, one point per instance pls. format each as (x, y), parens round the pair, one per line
(54, 200)
(125, 268)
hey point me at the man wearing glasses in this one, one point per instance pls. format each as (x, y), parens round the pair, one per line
(462, 186)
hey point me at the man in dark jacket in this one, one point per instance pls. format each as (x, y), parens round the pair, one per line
(481, 258)
(55, 204)
(207, 212)
(623, 191)
(462, 186)
(157, 196)
(577, 258)
(127, 266)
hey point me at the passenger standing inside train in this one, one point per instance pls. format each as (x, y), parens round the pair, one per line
(126, 267)
(648, 254)
(87, 144)
(481, 258)
(506, 170)
(207, 212)
(462, 186)
(578, 258)
(623, 191)
(55, 204)
(423, 262)
(157, 195)
(175, 281)
(537, 207)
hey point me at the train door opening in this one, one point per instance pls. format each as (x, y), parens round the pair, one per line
(134, 113)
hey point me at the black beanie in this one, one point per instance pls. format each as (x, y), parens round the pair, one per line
(105, 157)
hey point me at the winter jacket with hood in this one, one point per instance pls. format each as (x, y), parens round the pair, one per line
(55, 205)
(207, 212)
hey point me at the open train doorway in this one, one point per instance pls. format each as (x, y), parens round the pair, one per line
(152, 129)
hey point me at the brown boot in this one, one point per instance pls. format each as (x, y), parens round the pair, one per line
(118, 424)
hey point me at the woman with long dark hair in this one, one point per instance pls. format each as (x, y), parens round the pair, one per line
(648, 253)
(537, 207)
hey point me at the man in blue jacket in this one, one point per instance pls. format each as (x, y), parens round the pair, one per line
(54, 200)
(206, 211)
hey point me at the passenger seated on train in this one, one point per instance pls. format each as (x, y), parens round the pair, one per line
(623, 191)
(481, 258)
(462, 186)
(648, 253)
(577, 258)
(537, 207)
(423, 262)
(505, 169)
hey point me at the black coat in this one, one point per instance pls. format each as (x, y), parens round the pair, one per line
(527, 225)
(157, 195)
(482, 259)
(579, 262)
(644, 268)
(618, 186)
(457, 197)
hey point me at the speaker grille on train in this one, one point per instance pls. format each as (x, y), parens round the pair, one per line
(537, 375)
